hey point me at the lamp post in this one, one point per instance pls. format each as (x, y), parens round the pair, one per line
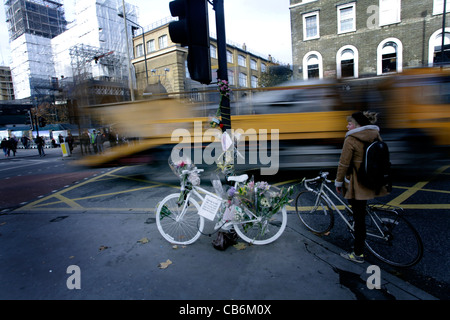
(130, 80)
(143, 40)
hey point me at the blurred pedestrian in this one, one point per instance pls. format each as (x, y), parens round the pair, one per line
(99, 142)
(12, 142)
(60, 139)
(93, 138)
(85, 142)
(5, 147)
(361, 129)
(69, 140)
(25, 141)
(40, 142)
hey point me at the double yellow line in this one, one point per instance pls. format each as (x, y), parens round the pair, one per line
(45, 203)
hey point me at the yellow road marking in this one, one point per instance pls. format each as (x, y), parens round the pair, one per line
(35, 203)
(73, 205)
(70, 202)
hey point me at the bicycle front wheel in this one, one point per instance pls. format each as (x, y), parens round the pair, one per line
(314, 212)
(179, 224)
(392, 238)
(265, 231)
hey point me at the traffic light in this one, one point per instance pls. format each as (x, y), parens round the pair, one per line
(42, 122)
(192, 30)
(29, 120)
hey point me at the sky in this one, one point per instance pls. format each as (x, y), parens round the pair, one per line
(263, 25)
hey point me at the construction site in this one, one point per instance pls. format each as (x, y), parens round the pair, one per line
(78, 63)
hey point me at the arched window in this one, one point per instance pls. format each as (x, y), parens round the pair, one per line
(347, 62)
(312, 65)
(434, 47)
(389, 56)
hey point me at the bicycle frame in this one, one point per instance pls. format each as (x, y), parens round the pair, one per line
(196, 192)
(324, 190)
(328, 199)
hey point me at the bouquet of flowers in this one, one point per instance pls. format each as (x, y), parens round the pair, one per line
(188, 179)
(225, 91)
(262, 198)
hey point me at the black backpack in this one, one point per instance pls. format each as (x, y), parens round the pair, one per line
(375, 170)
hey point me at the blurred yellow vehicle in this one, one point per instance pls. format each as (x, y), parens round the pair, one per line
(310, 117)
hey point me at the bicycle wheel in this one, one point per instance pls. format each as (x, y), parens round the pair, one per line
(314, 212)
(400, 244)
(265, 231)
(178, 226)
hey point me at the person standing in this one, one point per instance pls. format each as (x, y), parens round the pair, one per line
(5, 147)
(85, 142)
(69, 140)
(361, 129)
(99, 142)
(93, 138)
(12, 146)
(40, 145)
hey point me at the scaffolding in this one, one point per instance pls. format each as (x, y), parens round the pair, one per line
(87, 62)
(43, 18)
(84, 58)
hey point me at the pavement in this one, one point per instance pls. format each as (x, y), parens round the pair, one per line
(122, 256)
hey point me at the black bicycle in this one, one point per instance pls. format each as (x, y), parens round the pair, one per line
(389, 236)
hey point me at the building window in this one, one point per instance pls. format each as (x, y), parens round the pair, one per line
(389, 12)
(163, 42)
(346, 18)
(389, 56)
(188, 75)
(213, 50)
(231, 77)
(229, 56)
(242, 61)
(438, 6)
(435, 43)
(312, 65)
(253, 64)
(194, 95)
(151, 46)
(139, 50)
(311, 26)
(254, 81)
(242, 79)
(347, 62)
(263, 67)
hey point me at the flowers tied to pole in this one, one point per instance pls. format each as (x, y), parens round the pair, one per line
(224, 90)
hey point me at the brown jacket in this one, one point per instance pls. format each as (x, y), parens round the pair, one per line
(350, 161)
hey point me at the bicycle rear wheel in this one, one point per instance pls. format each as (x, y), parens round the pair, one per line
(178, 226)
(265, 231)
(314, 212)
(400, 245)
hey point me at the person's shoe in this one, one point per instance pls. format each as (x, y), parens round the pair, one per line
(353, 257)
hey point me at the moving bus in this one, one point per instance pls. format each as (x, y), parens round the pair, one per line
(309, 118)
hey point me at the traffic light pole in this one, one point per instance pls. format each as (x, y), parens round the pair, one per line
(222, 72)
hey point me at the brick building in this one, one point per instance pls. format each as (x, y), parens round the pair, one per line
(359, 38)
(167, 63)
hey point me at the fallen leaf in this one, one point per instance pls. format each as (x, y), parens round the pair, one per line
(2, 224)
(103, 248)
(240, 246)
(71, 257)
(164, 265)
(144, 240)
(175, 247)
